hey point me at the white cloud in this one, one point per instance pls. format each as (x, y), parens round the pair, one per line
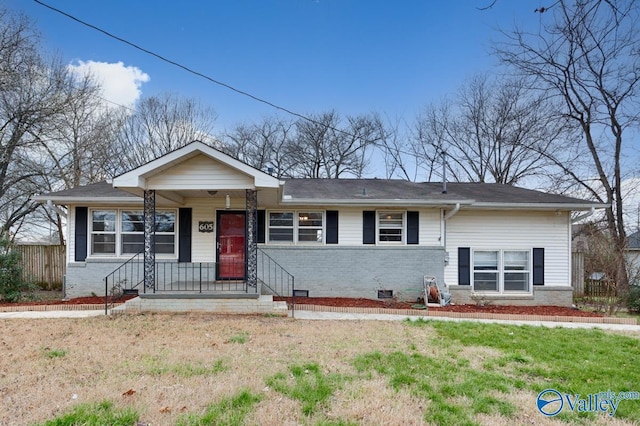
(120, 84)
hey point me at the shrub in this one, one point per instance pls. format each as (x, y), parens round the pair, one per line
(633, 303)
(11, 283)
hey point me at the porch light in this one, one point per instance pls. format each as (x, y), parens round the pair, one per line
(227, 201)
(212, 193)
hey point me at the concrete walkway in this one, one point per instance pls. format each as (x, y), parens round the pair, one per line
(317, 315)
(52, 314)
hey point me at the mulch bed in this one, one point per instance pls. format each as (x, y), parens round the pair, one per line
(359, 303)
(89, 300)
(489, 309)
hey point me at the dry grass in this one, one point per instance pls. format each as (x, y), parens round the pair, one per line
(167, 365)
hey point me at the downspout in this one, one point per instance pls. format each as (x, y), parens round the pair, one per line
(56, 209)
(452, 212)
(583, 216)
(445, 218)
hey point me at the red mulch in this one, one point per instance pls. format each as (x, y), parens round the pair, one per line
(492, 309)
(89, 300)
(363, 303)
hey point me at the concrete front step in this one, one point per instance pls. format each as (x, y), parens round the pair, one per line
(220, 304)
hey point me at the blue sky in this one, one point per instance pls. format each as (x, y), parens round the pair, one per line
(309, 56)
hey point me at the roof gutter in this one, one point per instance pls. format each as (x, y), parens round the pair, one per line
(583, 216)
(56, 209)
(370, 202)
(452, 213)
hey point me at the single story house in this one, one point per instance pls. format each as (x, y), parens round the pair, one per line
(198, 220)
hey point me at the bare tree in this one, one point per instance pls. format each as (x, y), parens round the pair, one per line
(586, 56)
(159, 124)
(32, 94)
(263, 145)
(400, 160)
(492, 131)
(332, 147)
(79, 138)
(324, 146)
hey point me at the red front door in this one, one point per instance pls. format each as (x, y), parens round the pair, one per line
(231, 237)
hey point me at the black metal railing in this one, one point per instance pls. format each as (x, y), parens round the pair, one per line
(275, 279)
(172, 276)
(197, 277)
(127, 277)
(200, 277)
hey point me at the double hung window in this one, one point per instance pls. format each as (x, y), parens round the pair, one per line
(501, 270)
(390, 227)
(103, 232)
(296, 227)
(121, 232)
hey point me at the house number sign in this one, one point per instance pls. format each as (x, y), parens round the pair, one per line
(205, 226)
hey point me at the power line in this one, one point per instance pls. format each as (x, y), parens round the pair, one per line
(188, 69)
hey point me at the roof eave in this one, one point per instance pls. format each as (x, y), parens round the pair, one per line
(87, 200)
(372, 202)
(539, 206)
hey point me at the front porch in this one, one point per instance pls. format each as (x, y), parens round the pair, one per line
(214, 256)
(230, 303)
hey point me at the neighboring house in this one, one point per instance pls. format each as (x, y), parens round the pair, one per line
(220, 218)
(633, 257)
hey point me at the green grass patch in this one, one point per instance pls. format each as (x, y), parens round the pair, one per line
(228, 412)
(455, 389)
(572, 361)
(98, 414)
(307, 384)
(335, 423)
(53, 353)
(238, 338)
(155, 366)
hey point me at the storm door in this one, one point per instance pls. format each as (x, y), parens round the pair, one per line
(231, 245)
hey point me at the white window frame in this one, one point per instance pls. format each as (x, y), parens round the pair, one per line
(503, 269)
(93, 232)
(381, 225)
(119, 252)
(296, 226)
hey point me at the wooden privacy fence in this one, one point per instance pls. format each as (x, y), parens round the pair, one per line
(43, 264)
(577, 273)
(600, 289)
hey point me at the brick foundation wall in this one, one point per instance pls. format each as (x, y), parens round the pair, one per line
(327, 271)
(542, 296)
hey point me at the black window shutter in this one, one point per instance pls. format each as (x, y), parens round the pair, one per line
(81, 231)
(260, 229)
(413, 227)
(184, 234)
(464, 266)
(332, 227)
(538, 266)
(368, 227)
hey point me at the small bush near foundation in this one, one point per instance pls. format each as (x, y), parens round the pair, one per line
(633, 303)
(12, 286)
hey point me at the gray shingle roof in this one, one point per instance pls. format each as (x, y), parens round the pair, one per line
(383, 189)
(97, 190)
(345, 191)
(633, 240)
